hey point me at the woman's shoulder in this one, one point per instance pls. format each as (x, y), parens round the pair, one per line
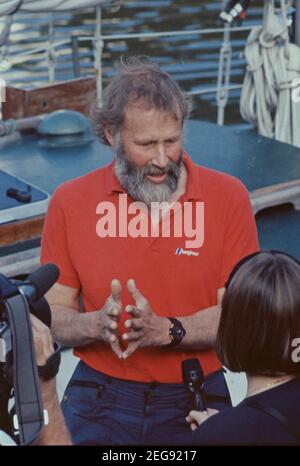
(248, 424)
(230, 426)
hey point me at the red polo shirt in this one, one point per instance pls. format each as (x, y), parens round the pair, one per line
(177, 280)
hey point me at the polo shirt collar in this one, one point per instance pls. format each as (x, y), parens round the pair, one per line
(194, 185)
(193, 188)
(113, 184)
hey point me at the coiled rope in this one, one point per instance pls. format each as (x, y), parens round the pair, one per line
(273, 65)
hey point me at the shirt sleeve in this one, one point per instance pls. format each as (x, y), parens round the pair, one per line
(240, 237)
(55, 247)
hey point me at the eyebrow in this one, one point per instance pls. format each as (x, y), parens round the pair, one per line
(144, 141)
(148, 141)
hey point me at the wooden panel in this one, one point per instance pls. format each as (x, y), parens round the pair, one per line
(24, 230)
(13, 107)
(77, 95)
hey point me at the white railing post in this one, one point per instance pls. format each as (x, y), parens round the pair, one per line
(51, 57)
(98, 54)
(224, 74)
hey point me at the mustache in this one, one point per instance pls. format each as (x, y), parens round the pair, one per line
(154, 170)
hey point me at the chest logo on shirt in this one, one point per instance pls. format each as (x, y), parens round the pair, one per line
(180, 251)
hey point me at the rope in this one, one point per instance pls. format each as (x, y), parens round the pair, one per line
(272, 65)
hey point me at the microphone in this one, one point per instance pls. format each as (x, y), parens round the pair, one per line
(34, 289)
(193, 379)
(39, 282)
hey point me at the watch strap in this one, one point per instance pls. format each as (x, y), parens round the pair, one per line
(175, 340)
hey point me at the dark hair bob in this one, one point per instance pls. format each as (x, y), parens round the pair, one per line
(260, 317)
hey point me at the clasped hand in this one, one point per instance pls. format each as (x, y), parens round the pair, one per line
(144, 327)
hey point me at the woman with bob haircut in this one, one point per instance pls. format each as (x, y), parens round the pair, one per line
(259, 333)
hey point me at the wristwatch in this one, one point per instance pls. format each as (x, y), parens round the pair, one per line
(50, 369)
(176, 332)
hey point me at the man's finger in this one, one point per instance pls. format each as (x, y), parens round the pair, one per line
(133, 336)
(107, 323)
(115, 346)
(113, 325)
(135, 293)
(109, 335)
(133, 310)
(131, 349)
(114, 312)
(116, 290)
(134, 324)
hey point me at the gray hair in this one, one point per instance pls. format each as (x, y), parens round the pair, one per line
(139, 80)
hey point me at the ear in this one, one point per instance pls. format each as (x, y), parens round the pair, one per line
(109, 136)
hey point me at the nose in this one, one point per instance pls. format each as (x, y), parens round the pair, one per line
(161, 158)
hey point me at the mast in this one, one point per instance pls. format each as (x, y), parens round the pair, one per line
(297, 22)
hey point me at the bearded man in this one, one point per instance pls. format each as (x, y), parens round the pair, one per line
(135, 306)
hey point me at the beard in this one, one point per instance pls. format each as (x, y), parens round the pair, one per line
(134, 180)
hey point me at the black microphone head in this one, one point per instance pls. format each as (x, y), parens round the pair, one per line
(192, 373)
(44, 278)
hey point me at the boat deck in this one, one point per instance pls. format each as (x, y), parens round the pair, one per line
(259, 162)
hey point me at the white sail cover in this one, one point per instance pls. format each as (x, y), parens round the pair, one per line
(8, 7)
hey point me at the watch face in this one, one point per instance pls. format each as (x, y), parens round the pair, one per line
(177, 332)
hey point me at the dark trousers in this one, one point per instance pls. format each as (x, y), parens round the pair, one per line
(102, 410)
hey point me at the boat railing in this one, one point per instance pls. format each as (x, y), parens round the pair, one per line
(221, 90)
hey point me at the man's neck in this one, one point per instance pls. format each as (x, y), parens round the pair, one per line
(181, 187)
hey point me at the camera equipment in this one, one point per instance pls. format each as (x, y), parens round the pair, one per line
(19, 376)
(193, 379)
